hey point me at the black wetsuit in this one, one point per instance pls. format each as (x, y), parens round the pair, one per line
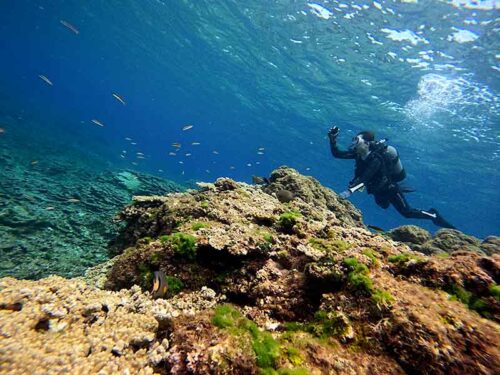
(372, 173)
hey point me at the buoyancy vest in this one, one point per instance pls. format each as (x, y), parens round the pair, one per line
(391, 164)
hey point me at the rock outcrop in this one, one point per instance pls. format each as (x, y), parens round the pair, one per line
(444, 241)
(257, 285)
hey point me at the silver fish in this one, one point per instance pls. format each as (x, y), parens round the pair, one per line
(117, 97)
(45, 79)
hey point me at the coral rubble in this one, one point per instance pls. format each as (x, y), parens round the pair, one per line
(261, 285)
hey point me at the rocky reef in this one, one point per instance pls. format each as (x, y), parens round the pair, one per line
(258, 286)
(56, 215)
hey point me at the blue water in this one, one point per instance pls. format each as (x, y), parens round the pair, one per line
(263, 74)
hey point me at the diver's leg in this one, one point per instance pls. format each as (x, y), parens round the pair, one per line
(382, 201)
(401, 204)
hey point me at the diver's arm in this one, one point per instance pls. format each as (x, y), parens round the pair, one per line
(339, 154)
(369, 172)
(332, 136)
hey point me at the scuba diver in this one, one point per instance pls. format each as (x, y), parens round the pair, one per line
(379, 169)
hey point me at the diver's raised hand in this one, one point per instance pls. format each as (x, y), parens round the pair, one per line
(333, 132)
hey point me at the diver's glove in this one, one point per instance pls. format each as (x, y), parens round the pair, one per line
(333, 133)
(345, 194)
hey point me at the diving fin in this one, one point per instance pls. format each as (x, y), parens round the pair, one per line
(439, 220)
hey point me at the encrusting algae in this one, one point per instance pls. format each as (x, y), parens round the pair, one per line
(257, 286)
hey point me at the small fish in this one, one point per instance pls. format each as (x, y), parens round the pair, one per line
(284, 196)
(232, 167)
(187, 127)
(124, 151)
(376, 229)
(2, 130)
(207, 170)
(140, 157)
(97, 122)
(195, 143)
(172, 153)
(261, 149)
(46, 80)
(260, 153)
(182, 173)
(176, 145)
(134, 163)
(50, 208)
(122, 156)
(70, 27)
(128, 139)
(160, 285)
(117, 97)
(181, 162)
(160, 170)
(188, 154)
(140, 153)
(215, 152)
(257, 162)
(34, 162)
(249, 164)
(133, 143)
(73, 200)
(308, 169)
(258, 180)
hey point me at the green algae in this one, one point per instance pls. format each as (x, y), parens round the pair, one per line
(204, 204)
(268, 237)
(146, 275)
(329, 246)
(358, 276)
(182, 244)
(382, 297)
(370, 253)
(265, 347)
(196, 226)
(288, 219)
(495, 291)
(175, 285)
(294, 356)
(403, 258)
(473, 302)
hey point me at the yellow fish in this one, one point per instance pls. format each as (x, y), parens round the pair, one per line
(160, 285)
(45, 79)
(70, 27)
(117, 97)
(97, 122)
(187, 127)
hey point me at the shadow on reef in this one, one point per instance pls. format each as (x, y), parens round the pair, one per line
(257, 286)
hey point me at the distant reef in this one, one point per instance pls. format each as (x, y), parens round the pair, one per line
(256, 285)
(56, 216)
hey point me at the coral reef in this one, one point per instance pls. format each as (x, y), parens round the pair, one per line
(260, 286)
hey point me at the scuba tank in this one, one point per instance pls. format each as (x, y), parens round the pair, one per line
(392, 165)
